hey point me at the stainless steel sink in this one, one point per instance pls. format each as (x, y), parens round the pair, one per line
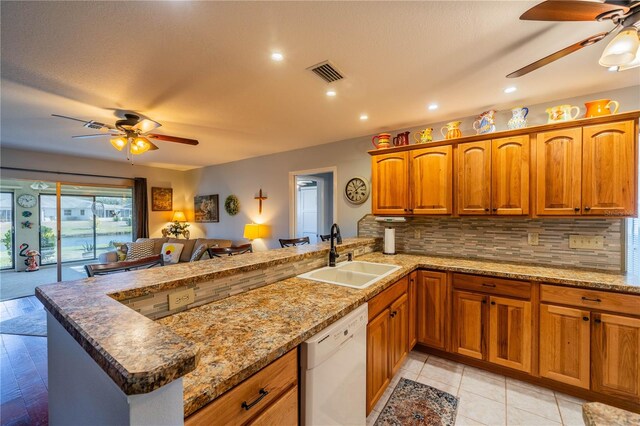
(352, 274)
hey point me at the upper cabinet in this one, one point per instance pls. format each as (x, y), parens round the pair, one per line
(588, 167)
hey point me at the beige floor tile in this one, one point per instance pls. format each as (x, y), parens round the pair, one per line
(472, 371)
(564, 396)
(413, 364)
(402, 373)
(484, 386)
(541, 404)
(481, 409)
(518, 417)
(465, 421)
(371, 418)
(453, 390)
(571, 413)
(447, 374)
(383, 400)
(420, 356)
(441, 361)
(520, 384)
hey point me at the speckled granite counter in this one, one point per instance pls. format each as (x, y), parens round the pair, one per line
(598, 414)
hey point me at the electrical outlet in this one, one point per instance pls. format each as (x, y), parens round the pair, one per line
(533, 238)
(181, 298)
(416, 233)
(585, 242)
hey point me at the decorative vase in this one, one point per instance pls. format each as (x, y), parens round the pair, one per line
(600, 107)
(561, 113)
(424, 136)
(383, 140)
(452, 130)
(518, 118)
(485, 122)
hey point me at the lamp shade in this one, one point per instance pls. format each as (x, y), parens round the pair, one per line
(119, 143)
(140, 145)
(253, 231)
(622, 49)
(633, 64)
(178, 216)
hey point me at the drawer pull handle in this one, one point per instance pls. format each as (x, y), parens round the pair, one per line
(597, 320)
(263, 393)
(587, 208)
(488, 285)
(493, 303)
(585, 318)
(588, 299)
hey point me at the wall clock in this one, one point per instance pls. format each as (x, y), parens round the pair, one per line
(27, 201)
(357, 190)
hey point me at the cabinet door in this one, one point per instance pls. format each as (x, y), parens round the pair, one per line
(510, 175)
(469, 317)
(431, 180)
(616, 356)
(398, 333)
(433, 302)
(559, 172)
(282, 412)
(390, 183)
(413, 309)
(473, 187)
(564, 344)
(609, 172)
(510, 333)
(377, 358)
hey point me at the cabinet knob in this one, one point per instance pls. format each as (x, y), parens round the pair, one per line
(585, 318)
(493, 303)
(484, 301)
(495, 209)
(587, 208)
(487, 209)
(597, 320)
(577, 209)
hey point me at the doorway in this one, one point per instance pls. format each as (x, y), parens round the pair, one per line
(313, 204)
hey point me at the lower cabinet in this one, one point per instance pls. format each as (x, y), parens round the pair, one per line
(510, 333)
(469, 323)
(387, 338)
(432, 304)
(268, 397)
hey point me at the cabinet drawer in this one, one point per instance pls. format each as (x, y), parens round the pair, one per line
(283, 412)
(276, 379)
(492, 285)
(593, 299)
(387, 297)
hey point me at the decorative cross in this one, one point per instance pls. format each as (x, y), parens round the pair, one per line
(260, 199)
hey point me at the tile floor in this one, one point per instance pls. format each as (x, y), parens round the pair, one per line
(486, 398)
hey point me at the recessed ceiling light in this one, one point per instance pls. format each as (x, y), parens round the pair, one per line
(331, 92)
(510, 89)
(364, 117)
(277, 56)
(433, 106)
(613, 68)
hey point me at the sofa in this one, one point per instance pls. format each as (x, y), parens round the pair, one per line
(187, 251)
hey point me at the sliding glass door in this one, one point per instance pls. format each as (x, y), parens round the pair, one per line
(7, 234)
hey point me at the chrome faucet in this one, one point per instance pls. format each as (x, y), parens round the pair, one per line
(336, 238)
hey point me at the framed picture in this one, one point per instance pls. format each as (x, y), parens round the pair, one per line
(161, 199)
(206, 208)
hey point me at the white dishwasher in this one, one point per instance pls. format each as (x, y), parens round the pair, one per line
(334, 373)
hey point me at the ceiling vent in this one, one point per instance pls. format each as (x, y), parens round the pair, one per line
(327, 71)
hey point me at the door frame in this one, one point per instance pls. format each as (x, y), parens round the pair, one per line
(293, 194)
(13, 231)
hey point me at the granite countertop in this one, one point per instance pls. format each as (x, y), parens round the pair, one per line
(598, 414)
(239, 335)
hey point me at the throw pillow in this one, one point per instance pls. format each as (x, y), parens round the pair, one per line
(198, 253)
(171, 252)
(121, 250)
(139, 250)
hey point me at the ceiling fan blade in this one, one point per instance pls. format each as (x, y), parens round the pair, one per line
(570, 10)
(176, 139)
(557, 55)
(153, 146)
(145, 125)
(95, 135)
(69, 118)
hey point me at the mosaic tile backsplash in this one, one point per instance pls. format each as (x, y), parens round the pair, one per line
(505, 239)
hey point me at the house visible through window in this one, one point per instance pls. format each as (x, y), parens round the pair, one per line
(67, 212)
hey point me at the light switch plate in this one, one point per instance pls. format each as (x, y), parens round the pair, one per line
(181, 298)
(533, 238)
(586, 242)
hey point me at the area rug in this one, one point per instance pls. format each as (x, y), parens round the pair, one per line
(413, 403)
(31, 324)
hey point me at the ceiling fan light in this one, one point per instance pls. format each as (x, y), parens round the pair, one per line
(622, 49)
(118, 143)
(140, 145)
(633, 64)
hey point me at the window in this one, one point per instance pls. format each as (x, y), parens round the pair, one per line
(81, 212)
(67, 212)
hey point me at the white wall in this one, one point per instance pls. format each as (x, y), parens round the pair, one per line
(244, 178)
(55, 162)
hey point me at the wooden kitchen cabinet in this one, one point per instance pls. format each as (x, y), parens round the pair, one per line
(510, 175)
(432, 301)
(390, 183)
(398, 333)
(559, 172)
(431, 180)
(469, 319)
(378, 358)
(413, 309)
(564, 344)
(510, 333)
(609, 169)
(616, 356)
(473, 187)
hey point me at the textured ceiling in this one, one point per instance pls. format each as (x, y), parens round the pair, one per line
(203, 70)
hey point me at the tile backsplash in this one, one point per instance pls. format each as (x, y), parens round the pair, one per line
(505, 239)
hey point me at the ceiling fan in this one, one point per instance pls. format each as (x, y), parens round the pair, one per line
(622, 53)
(132, 132)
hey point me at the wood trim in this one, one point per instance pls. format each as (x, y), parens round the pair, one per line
(492, 285)
(591, 299)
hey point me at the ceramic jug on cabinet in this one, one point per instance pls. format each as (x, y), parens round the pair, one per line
(452, 130)
(600, 107)
(485, 122)
(424, 136)
(401, 139)
(383, 140)
(518, 118)
(561, 113)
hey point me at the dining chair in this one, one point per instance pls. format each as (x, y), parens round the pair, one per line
(108, 268)
(292, 242)
(325, 237)
(229, 251)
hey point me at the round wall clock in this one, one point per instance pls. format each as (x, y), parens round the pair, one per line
(27, 201)
(357, 190)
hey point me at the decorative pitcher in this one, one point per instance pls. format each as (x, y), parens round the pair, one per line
(485, 122)
(560, 113)
(518, 118)
(401, 139)
(452, 130)
(383, 140)
(424, 136)
(600, 107)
